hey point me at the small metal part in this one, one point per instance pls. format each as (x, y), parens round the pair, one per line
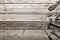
(57, 18)
(51, 24)
(54, 6)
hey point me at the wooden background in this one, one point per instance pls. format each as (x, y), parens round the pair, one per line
(30, 12)
(26, 14)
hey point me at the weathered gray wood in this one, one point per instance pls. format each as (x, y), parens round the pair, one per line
(5, 17)
(28, 1)
(26, 8)
(20, 35)
(34, 35)
(8, 7)
(26, 35)
(23, 7)
(10, 34)
(28, 25)
(12, 25)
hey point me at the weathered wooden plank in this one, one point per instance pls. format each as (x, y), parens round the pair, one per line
(26, 35)
(10, 21)
(11, 17)
(29, 17)
(28, 25)
(27, 5)
(34, 35)
(10, 34)
(26, 8)
(11, 7)
(18, 25)
(27, 1)
(23, 7)
(52, 36)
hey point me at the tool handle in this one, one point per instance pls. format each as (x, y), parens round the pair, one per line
(53, 6)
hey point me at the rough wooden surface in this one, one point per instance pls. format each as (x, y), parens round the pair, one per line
(19, 25)
(26, 10)
(26, 35)
(26, 6)
(26, 14)
(23, 25)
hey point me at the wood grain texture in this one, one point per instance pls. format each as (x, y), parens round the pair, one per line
(26, 35)
(18, 25)
(10, 10)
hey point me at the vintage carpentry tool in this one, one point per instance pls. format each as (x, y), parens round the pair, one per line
(56, 19)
